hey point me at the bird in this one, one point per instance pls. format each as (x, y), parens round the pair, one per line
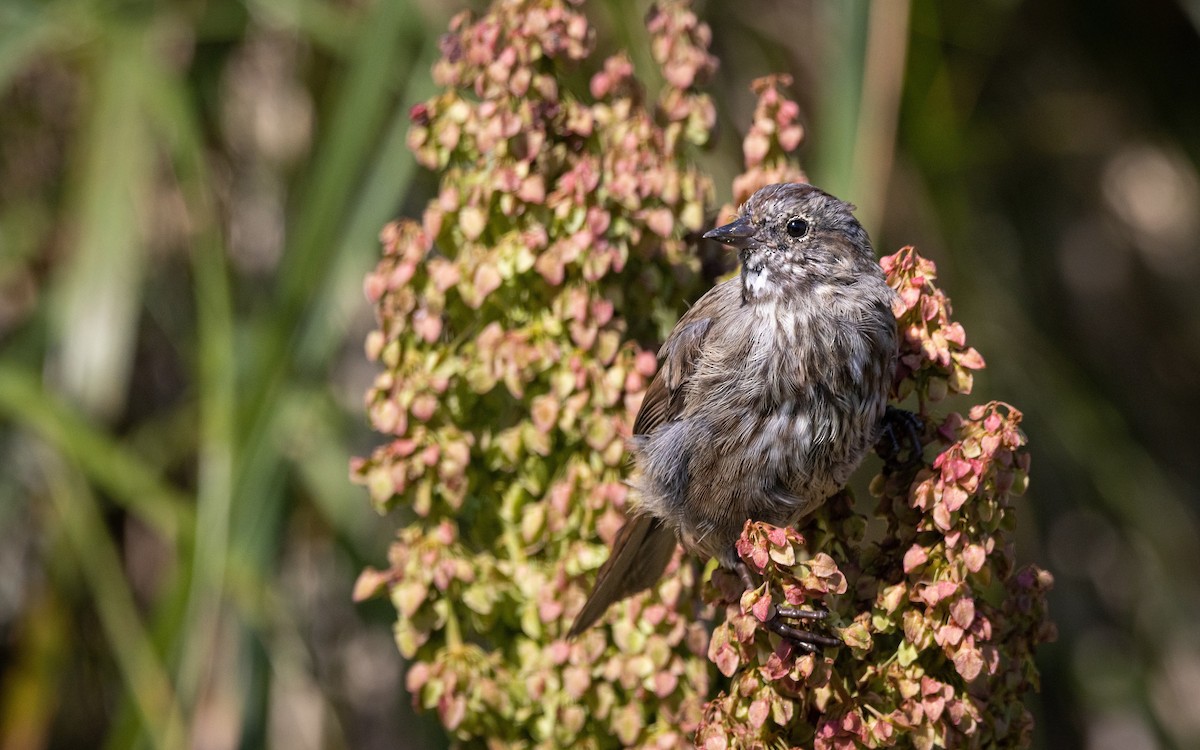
(770, 391)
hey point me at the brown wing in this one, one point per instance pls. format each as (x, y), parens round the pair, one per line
(664, 398)
(644, 545)
(640, 554)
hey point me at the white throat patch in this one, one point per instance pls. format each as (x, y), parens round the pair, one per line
(757, 281)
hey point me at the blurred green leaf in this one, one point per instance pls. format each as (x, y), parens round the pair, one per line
(99, 565)
(118, 472)
(24, 29)
(99, 291)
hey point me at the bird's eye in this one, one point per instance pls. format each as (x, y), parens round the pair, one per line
(797, 227)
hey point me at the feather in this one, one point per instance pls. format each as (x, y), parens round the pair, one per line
(641, 551)
(644, 546)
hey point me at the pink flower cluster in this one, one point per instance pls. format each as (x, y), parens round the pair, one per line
(775, 133)
(935, 359)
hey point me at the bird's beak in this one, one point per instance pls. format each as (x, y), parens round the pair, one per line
(736, 233)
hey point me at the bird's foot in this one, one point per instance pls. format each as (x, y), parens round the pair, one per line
(900, 430)
(803, 640)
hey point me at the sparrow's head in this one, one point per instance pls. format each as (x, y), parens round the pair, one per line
(792, 235)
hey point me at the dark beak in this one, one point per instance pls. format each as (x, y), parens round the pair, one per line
(737, 233)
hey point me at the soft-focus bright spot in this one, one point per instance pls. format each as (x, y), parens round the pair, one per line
(1157, 194)
(1175, 689)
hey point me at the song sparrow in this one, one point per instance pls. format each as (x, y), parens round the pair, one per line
(771, 391)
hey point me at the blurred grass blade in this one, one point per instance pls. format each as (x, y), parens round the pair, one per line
(98, 289)
(127, 479)
(879, 110)
(351, 137)
(391, 174)
(368, 93)
(215, 379)
(862, 80)
(24, 30)
(99, 563)
(318, 454)
(373, 68)
(840, 95)
(40, 645)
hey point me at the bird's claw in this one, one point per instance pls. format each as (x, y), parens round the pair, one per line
(804, 640)
(795, 613)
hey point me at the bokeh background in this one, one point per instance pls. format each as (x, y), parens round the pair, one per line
(190, 192)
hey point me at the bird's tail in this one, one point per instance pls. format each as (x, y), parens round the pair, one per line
(640, 554)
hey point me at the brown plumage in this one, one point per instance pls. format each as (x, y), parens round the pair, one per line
(770, 391)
